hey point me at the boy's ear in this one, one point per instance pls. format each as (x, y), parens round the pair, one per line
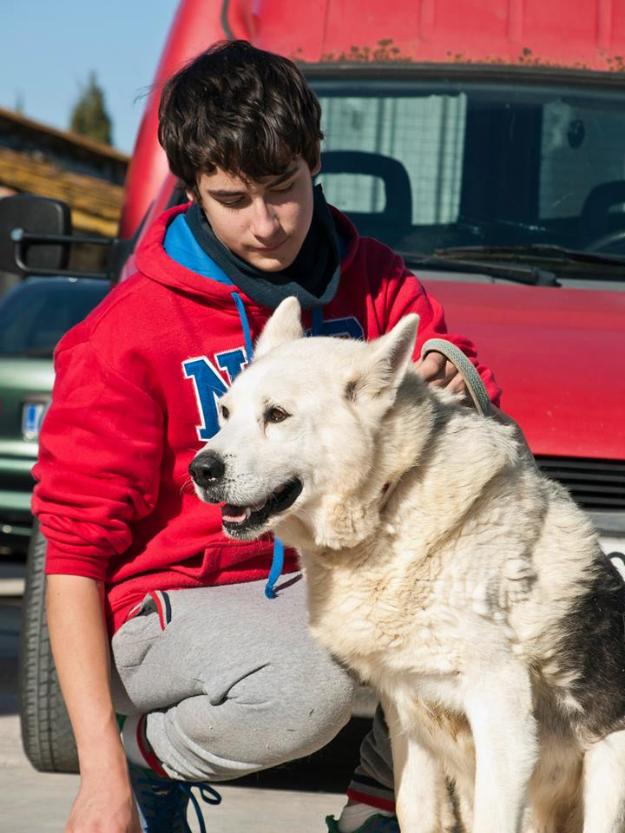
(387, 361)
(193, 191)
(316, 168)
(284, 325)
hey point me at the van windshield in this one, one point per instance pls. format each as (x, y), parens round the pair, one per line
(436, 165)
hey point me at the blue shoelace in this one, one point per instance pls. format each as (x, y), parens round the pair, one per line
(163, 803)
(208, 794)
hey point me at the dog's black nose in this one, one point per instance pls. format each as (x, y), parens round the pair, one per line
(207, 468)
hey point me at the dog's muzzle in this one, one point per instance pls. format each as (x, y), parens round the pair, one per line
(207, 469)
(239, 520)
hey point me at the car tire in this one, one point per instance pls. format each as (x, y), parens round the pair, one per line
(46, 731)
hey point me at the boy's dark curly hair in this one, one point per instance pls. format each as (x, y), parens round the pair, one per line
(241, 109)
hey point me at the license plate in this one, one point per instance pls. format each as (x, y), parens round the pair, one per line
(32, 417)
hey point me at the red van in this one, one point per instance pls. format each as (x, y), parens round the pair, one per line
(486, 143)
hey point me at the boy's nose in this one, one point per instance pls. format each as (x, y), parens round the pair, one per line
(207, 468)
(265, 223)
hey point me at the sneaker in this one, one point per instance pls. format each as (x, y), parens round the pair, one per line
(374, 824)
(162, 802)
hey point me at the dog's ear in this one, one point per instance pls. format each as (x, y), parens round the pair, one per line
(284, 325)
(388, 359)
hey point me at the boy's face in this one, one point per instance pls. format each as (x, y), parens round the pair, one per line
(264, 222)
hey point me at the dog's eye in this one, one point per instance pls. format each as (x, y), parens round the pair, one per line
(225, 413)
(276, 414)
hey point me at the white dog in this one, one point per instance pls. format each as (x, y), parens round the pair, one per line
(444, 569)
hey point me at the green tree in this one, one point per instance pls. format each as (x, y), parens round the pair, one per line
(89, 116)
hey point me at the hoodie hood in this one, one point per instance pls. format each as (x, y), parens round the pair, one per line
(153, 262)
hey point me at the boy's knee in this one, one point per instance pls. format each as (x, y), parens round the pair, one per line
(317, 712)
(240, 736)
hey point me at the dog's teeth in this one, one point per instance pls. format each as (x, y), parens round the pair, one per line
(235, 514)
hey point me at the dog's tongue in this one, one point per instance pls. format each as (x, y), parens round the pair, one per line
(235, 514)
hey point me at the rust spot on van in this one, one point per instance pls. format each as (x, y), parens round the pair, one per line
(527, 58)
(383, 53)
(386, 51)
(616, 63)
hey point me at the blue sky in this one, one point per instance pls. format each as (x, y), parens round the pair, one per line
(48, 48)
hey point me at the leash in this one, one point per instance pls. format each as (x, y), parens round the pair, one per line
(472, 380)
(471, 377)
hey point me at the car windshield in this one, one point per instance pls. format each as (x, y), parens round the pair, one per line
(35, 314)
(426, 166)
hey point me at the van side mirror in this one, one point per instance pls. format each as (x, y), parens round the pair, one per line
(39, 216)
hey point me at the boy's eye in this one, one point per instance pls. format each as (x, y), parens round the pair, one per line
(225, 413)
(233, 203)
(284, 188)
(276, 414)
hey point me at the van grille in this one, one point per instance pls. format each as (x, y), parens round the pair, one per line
(593, 484)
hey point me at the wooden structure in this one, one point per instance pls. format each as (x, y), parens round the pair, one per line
(87, 175)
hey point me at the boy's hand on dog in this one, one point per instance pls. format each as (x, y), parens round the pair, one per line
(439, 372)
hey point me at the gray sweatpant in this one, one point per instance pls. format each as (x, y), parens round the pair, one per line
(232, 683)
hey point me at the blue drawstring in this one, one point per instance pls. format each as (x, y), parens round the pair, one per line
(245, 324)
(277, 561)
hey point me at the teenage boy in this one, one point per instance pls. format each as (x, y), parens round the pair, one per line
(215, 681)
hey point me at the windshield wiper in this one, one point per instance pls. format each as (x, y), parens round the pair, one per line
(538, 253)
(450, 260)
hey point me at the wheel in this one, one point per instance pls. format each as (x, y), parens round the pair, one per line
(46, 731)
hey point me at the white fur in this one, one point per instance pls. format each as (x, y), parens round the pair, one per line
(440, 565)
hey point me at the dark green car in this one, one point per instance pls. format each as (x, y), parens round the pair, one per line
(33, 317)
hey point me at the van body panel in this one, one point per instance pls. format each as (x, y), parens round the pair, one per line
(558, 354)
(526, 32)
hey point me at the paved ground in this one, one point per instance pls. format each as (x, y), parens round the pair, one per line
(291, 800)
(32, 802)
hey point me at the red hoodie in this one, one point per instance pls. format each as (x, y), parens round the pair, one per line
(135, 385)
